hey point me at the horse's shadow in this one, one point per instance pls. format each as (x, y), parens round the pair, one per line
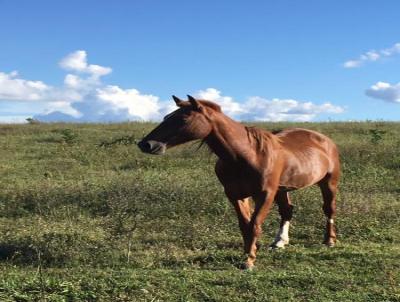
(21, 253)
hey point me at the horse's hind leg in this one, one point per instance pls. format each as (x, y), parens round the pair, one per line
(286, 213)
(328, 188)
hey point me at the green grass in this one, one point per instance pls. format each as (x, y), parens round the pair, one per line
(86, 221)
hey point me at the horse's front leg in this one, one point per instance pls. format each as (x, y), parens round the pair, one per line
(243, 211)
(263, 201)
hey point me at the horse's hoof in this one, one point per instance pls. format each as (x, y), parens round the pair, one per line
(247, 267)
(274, 247)
(329, 243)
(278, 245)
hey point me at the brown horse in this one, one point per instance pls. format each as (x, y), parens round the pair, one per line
(255, 163)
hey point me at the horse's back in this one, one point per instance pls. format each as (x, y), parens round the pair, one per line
(295, 139)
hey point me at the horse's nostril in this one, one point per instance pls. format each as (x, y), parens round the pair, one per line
(145, 146)
(152, 147)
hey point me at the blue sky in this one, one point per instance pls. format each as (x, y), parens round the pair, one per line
(261, 60)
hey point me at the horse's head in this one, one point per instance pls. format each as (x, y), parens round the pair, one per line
(191, 121)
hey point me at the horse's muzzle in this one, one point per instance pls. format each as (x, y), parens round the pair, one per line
(152, 147)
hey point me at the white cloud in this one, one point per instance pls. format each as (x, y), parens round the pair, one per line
(83, 97)
(87, 99)
(113, 104)
(72, 81)
(105, 104)
(261, 109)
(77, 61)
(287, 109)
(373, 55)
(385, 91)
(352, 64)
(139, 106)
(14, 88)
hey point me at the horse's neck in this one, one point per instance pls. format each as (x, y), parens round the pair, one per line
(228, 139)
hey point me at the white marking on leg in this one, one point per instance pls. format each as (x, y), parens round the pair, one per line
(282, 237)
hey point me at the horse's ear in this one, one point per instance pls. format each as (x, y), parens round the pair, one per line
(195, 103)
(178, 101)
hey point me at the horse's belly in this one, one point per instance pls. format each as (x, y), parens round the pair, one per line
(298, 181)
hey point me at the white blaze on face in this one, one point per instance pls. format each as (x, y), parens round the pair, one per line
(330, 221)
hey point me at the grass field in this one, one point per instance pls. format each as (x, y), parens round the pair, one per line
(85, 216)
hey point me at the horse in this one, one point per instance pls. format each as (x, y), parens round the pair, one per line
(255, 163)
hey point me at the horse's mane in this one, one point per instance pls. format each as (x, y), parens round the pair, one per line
(211, 105)
(265, 140)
